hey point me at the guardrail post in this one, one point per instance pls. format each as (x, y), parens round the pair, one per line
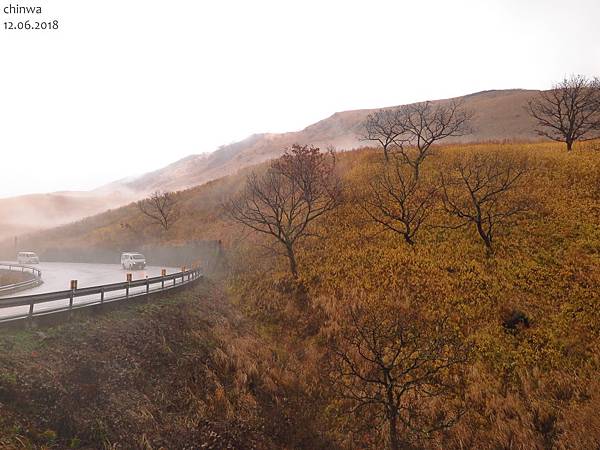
(163, 273)
(72, 294)
(102, 295)
(31, 309)
(129, 278)
(147, 286)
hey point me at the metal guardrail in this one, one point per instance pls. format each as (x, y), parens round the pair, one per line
(27, 284)
(92, 295)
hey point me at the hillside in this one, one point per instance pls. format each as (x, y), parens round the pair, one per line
(526, 317)
(499, 116)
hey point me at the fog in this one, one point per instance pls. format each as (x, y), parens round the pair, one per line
(30, 213)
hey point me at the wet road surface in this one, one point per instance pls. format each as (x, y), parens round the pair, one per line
(57, 277)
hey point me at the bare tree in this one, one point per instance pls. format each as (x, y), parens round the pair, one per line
(389, 362)
(480, 190)
(297, 189)
(383, 127)
(398, 201)
(161, 207)
(570, 111)
(425, 124)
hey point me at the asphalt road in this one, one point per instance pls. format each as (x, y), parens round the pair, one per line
(58, 276)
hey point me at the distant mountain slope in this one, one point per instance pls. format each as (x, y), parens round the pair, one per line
(499, 115)
(28, 213)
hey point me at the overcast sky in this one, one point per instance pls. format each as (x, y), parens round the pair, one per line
(125, 87)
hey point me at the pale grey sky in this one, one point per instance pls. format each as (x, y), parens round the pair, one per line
(125, 87)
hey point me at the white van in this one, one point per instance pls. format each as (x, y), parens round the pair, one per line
(27, 258)
(132, 261)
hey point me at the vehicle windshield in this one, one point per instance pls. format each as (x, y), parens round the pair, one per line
(138, 257)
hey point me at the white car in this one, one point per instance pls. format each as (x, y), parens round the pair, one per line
(27, 258)
(133, 261)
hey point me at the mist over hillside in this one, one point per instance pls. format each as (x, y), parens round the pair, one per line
(29, 213)
(499, 115)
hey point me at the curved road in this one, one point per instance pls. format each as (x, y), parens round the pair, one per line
(57, 277)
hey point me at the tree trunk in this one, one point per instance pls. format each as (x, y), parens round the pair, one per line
(569, 145)
(392, 417)
(393, 431)
(486, 239)
(417, 172)
(392, 413)
(292, 260)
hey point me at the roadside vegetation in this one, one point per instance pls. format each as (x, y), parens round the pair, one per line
(186, 371)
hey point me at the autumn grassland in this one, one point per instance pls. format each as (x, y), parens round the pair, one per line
(520, 322)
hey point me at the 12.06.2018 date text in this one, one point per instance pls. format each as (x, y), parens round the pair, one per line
(32, 25)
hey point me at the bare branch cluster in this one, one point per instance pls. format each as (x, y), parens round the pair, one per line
(384, 127)
(411, 130)
(162, 208)
(570, 111)
(425, 124)
(389, 360)
(295, 190)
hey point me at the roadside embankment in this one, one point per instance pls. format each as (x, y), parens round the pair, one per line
(181, 371)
